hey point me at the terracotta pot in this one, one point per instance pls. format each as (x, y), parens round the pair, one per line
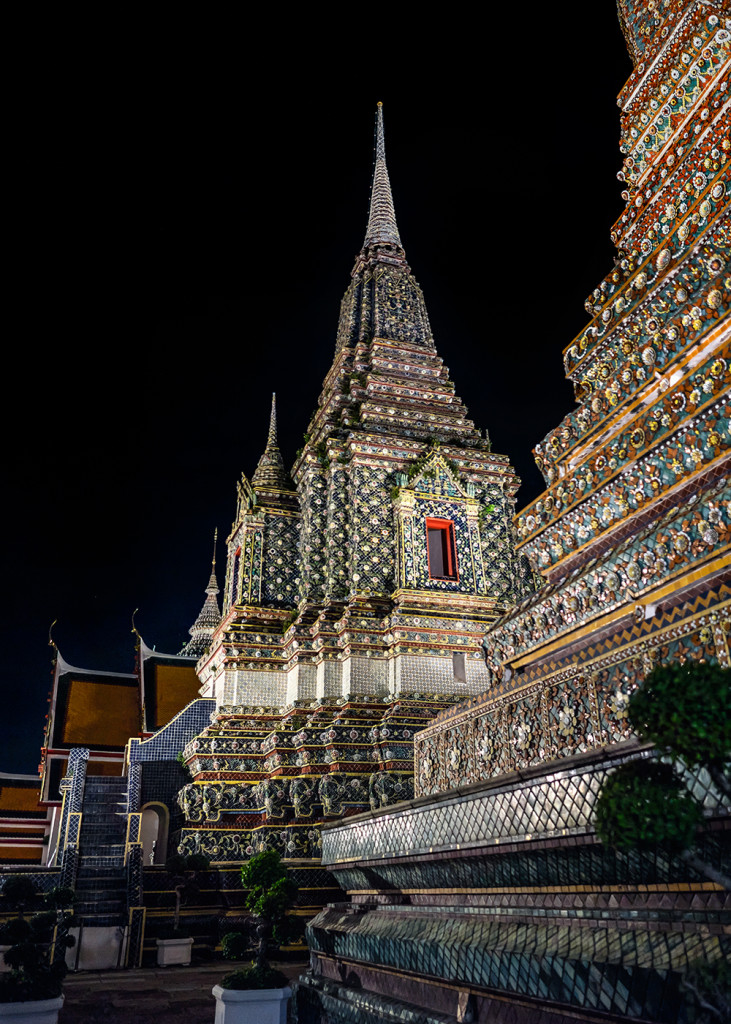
(251, 1005)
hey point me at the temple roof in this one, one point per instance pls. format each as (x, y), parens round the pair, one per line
(209, 617)
(80, 705)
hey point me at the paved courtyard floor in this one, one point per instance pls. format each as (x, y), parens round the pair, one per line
(154, 995)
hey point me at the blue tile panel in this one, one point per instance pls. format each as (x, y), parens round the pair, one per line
(160, 783)
(169, 741)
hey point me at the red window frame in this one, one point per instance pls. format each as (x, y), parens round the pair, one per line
(446, 526)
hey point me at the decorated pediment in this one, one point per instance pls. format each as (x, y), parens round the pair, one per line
(435, 476)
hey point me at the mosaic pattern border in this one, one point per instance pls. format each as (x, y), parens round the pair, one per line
(549, 800)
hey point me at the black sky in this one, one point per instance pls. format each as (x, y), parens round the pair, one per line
(184, 220)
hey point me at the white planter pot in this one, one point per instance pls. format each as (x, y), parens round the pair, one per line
(173, 951)
(34, 1011)
(251, 1005)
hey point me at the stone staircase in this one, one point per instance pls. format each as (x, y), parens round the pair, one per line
(101, 888)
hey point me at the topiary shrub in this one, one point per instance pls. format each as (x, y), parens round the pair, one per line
(36, 959)
(685, 708)
(18, 893)
(183, 872)
(14, 931)
(254, 977)
(235, 945)
(644, 804)
(709, 988)
(271, 893)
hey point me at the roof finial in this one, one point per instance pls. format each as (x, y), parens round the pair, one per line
(270, 472)
(382, 229)
(208, 618)
(272, 437)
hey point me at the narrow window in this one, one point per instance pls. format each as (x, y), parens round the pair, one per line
(459, 667)
(440, 549)
(235, 596)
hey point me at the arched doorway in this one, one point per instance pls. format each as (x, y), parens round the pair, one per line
(155, 820)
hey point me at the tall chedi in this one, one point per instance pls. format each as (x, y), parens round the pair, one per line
(633, 538)
(381, 571)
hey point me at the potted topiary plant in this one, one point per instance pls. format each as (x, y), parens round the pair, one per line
(174, 944)
(258, 994)
(31, 990)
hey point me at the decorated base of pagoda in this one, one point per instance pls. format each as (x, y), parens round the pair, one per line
(268, 778)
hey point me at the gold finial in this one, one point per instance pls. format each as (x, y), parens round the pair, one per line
(379, 104)
(215, 538)
(51, 641)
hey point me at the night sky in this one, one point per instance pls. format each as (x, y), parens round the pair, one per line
(185, 212)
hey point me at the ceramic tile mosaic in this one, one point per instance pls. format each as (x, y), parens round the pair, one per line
(601, 968)
(167, 742)
(632, 537)
(557, 800)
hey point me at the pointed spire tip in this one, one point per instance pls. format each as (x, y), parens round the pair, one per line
(382, 229)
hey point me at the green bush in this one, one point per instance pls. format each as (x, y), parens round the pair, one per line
(17, 929)
(271, 892)
(60, 897)
(37, 966)
(644, 804)
(255, 977)
(20, 986)
(709, 988)
(686, 708)
(272, 903)
(18, 891)
(235, 945)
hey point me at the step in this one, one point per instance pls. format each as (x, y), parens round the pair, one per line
(103, 920)
(108, 905)
(89, 894)
(104, 817)
(103, 831)
(96, 820)
(90, 873)
(108, 861)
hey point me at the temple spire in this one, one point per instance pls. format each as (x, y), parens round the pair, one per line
(270, 472)
(212, 587)
(382, 229)
(209, 617)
